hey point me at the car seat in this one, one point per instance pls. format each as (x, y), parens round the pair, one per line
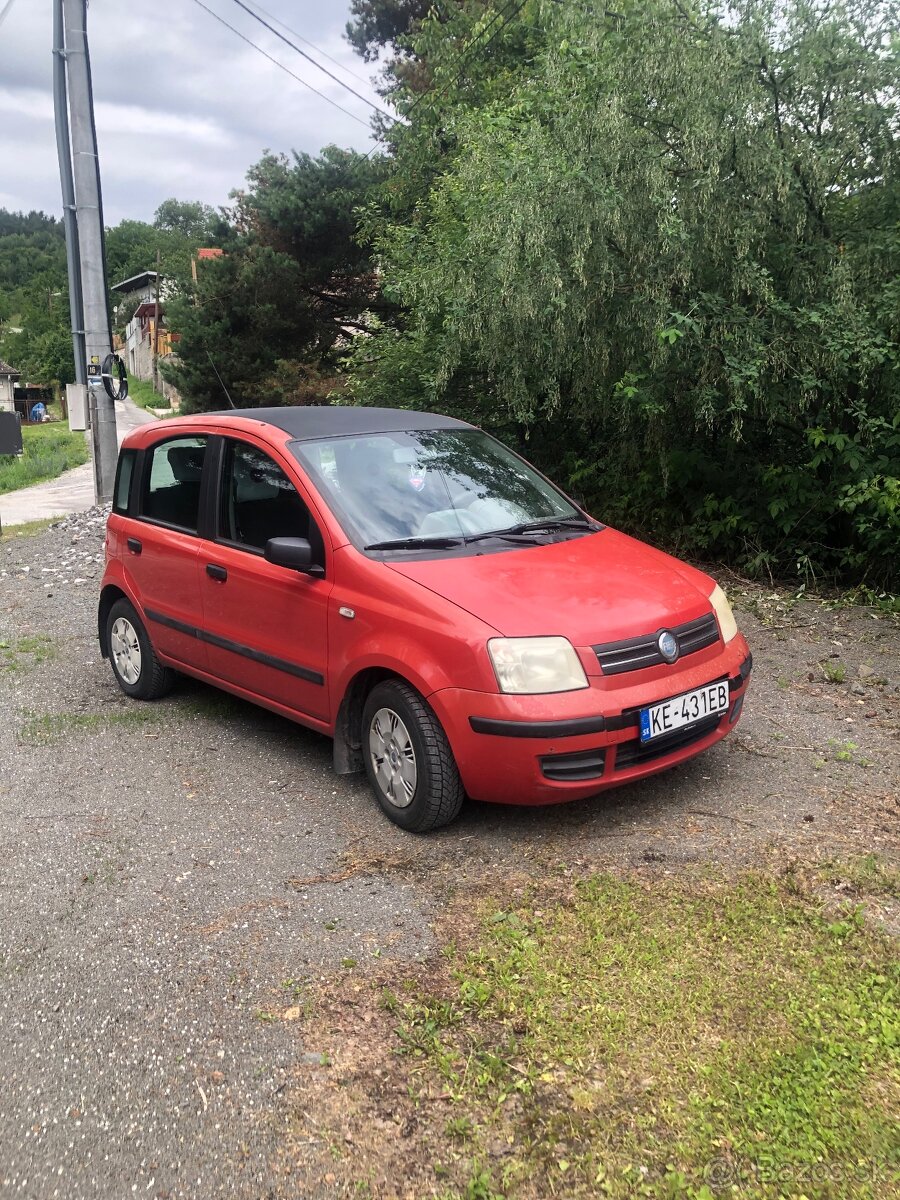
(179, 502)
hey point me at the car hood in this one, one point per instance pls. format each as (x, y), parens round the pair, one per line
(597, 588)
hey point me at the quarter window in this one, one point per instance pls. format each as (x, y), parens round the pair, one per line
(173, 482)
(124, 475)
(259, 501)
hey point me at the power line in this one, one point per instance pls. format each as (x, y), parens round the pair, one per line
(465, 57)
(287, 41)
(287, 70)
(307, 42)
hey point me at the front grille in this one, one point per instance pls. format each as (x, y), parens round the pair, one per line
(633, 654)
(582, 764)
(633, 753)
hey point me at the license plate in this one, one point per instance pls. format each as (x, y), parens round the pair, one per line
(683, 710)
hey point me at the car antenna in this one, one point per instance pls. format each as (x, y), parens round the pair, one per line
(219, 377)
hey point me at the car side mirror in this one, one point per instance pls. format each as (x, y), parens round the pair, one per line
(293, 553)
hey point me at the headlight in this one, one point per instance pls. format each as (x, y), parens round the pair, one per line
(722, 609)
(535, 665)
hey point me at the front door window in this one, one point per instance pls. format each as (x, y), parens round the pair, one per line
(259, 501)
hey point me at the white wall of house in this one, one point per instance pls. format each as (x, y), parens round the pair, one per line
(6, 393)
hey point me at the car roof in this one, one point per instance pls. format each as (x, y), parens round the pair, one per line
(305, 422)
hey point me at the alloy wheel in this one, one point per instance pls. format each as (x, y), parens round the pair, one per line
(126, 650)
(393, 757)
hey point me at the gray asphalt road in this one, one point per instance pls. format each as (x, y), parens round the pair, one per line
(175, 878)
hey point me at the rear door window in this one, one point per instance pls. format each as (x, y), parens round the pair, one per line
(173, 476)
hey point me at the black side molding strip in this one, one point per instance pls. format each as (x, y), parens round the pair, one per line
(532, 729)
(212, 639)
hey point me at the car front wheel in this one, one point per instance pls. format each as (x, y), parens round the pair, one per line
(138, 671)
(408, 759)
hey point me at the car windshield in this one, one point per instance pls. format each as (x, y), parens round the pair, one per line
(434, 488)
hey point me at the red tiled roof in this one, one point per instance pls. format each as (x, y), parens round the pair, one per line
(214, 252)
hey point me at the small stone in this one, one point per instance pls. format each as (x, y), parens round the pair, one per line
(864, 671)
(857, 689)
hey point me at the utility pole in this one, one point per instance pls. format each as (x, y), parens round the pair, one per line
(156, 330)
(89, 215)
(64, 152)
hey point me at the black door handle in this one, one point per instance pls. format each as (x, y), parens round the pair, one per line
(134, 546)
(216, 572)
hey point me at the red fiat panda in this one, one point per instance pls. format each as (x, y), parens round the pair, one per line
(409, 586)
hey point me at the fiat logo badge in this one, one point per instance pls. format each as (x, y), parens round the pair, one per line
(668, 645)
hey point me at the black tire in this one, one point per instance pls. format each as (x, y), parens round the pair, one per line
(151, 679)
(437, 793)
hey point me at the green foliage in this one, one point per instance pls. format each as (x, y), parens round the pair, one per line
(200, 223)
(33, 278)
(42, 348)
(269, 316)
(32, 257)
(179, 229)
(379, 23)
(662, 244)
(142, 393)
(34, 298)
(834, 671)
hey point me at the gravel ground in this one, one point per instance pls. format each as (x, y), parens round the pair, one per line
(177, 877)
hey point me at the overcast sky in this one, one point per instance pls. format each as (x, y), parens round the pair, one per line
(183, 106)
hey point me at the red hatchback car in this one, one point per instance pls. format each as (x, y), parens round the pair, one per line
(409, 586)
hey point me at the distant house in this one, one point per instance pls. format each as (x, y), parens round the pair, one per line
(139, 294)
(8, 376)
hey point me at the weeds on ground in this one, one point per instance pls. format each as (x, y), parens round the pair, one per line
(43, 729)
(144, 395)
(18, 654)
(678, 1039)
(869, 875)
(28, 529)
(834, 670)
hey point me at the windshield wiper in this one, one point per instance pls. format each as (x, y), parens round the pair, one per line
(514, 532)
(551, 523)
(527, 527)
(417, 543)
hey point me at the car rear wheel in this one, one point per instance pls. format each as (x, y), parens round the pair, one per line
(138, 671)
(408, 759)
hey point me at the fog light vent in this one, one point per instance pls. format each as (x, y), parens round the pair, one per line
(583, 764)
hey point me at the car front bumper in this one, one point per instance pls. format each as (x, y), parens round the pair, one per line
(551, 749)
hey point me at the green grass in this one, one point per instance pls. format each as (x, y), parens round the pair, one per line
(48, 450)
(835, 672)
(44, 729)
(142, 393)
(28, 528)
(19, 654)
(690, 1039)
(868, 875)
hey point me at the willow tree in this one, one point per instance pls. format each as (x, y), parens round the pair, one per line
(666, 244)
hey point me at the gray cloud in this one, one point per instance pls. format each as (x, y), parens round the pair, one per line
(183, 107)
